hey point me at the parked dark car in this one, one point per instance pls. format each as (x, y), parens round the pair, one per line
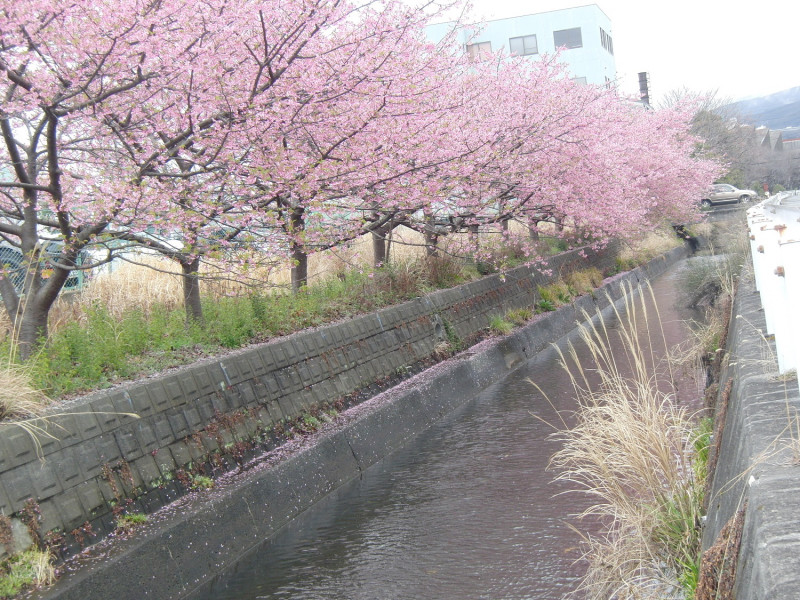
(723, 193)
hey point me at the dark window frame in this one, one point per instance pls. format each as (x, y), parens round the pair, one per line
(606, 41)
(568, 38)
(526, 51)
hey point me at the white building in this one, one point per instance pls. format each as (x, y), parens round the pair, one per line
(583, 33)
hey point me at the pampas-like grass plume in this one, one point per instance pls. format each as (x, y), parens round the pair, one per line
(630, 451)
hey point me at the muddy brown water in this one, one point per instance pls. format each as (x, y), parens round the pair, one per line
(467, 510)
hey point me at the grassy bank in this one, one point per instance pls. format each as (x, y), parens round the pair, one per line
(131, 322)
(103, 343)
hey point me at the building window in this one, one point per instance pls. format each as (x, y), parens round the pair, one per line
(606, 41)
(523, 46)
(478, 49)
(568, 38)
(579, 80)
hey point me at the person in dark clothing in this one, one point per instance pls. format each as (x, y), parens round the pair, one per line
(681, 232)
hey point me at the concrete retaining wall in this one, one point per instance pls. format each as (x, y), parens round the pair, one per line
(202, 534)
(216, 414)
(758, 460)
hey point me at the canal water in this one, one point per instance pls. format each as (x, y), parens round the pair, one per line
(468, 510)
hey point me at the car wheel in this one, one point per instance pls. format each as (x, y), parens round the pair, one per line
(744, 198)
(705, 203)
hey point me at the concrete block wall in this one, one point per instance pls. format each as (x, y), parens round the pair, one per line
(99, 458)
(187, 547)
(757, 466)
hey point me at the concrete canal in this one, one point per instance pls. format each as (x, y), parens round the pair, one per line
(467, 510)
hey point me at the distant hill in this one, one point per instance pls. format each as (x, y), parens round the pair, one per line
(780, 110)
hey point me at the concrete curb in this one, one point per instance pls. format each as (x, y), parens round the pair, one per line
(202, 534)
(756, 460)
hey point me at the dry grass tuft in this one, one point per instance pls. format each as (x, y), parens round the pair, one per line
(44, 571)
(19, 399)
(631, 451)
(584, 281)
(653, 244)
(29, 569)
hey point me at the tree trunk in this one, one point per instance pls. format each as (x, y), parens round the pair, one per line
(191, 291)
(299, 267)
(29, 313)
(378, 248)
(31, 329)
(431, 237)
(389, 244)
(381, 243)
(296, 226)
(475, 240)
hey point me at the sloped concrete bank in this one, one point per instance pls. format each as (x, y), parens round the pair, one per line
(757, 460)
(215, 415)
(201, 534)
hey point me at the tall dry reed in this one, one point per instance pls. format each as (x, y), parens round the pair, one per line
(631, 451)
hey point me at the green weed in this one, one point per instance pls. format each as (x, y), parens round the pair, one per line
(130, 521)
(519, 316)
(545, 306)
(454, 341)
(309, 422)
(26, 569)
(499, 325)
(201, 482)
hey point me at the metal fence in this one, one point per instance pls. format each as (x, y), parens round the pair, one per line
(774, 226)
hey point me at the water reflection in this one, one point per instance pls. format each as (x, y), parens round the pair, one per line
(466, 511)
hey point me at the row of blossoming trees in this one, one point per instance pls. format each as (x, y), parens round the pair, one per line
(278, 127)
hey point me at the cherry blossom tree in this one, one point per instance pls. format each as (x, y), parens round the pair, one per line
(61, 66)
(283, 128)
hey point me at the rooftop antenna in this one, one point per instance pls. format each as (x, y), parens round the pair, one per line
(644, 87)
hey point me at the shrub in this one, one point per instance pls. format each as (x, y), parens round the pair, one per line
(555, 294)
(554, 245)
(546, 294)
(443, 271)
(400, 279)
(502, 254)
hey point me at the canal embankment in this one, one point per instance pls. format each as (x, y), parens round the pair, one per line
(200, 534)
(757, 476)
(139, 446)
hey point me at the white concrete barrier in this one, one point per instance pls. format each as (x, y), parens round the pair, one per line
(774, 229)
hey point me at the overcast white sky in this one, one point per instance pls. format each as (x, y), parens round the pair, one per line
(739, 48)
